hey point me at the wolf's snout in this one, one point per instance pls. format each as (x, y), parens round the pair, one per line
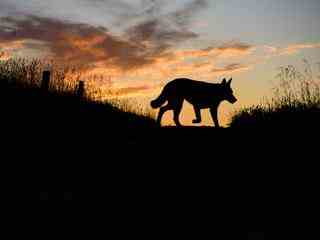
(233, 100)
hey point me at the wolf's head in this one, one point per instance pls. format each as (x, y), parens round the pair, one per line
(228, 92)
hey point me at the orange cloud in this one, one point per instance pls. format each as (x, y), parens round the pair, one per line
(293, 49)
(290, 49)
(126, 91)
(232, 68)
(233, 49)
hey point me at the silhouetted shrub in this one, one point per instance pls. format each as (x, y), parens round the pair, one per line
(21, 97)
(295, 102)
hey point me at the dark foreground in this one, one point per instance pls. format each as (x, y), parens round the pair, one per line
(195, 181)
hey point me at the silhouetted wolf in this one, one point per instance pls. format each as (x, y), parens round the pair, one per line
(200, 94)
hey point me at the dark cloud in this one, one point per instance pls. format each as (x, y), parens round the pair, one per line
(78, 43)
(182, 17)
(230, 68)
(174, 23)
(163, 31)
(155, 33)
(235, 45)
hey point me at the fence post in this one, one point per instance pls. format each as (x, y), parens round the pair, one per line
(45, 80)
(81, 89)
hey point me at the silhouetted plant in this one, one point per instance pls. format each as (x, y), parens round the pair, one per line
(22, 80)
(295, 101)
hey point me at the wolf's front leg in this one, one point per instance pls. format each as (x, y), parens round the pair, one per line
(214, 115)
(176, 114)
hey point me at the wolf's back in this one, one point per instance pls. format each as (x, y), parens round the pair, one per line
(172, 90)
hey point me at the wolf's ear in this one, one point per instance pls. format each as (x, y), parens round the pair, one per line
(229, 82)
(224, 81)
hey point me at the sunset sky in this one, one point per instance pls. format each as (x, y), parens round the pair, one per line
(142, 44)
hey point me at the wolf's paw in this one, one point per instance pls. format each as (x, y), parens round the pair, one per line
(196, 121)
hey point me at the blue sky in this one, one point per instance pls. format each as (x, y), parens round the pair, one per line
(265, 21)
(145, 43)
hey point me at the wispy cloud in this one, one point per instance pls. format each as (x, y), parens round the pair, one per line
(131, 90)
(232, 68)
(228, 49)
(290, 49)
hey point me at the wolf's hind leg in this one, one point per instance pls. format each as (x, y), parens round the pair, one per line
(197, 111)
(176, 113)
(161, 112)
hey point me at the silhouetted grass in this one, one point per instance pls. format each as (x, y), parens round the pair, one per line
(295, 103)
(23, 102)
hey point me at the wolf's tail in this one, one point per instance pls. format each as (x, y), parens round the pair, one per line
(160, 100)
